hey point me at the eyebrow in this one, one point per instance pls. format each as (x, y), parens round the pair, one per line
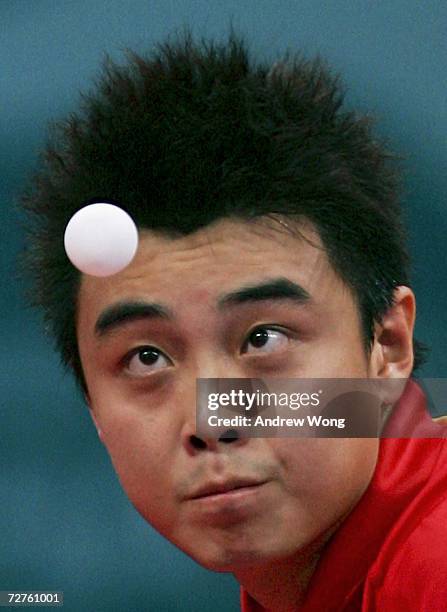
(125, 312)
(275, 289)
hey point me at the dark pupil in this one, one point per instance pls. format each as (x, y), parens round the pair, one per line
(259, 337)
(148, 356)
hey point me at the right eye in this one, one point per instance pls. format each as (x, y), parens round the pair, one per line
(145, 360)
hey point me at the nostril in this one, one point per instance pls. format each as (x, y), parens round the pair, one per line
(197, 443)
(229, 436)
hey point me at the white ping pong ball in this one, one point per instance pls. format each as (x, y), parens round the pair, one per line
(101, 239)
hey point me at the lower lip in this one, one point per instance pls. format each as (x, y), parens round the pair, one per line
(232, 506)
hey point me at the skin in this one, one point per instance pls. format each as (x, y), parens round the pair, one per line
(271, 536)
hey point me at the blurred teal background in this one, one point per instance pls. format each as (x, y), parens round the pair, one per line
(64, 522)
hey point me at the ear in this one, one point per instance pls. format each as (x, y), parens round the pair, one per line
(392, 351)
(92, 414)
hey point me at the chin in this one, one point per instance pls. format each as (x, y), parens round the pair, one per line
(228, 562)
(229, 558)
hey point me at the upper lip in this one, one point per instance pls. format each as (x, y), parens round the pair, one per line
(213, 488)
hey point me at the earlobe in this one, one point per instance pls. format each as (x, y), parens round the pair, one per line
(92, 414)
(98, 428)
(392, 352)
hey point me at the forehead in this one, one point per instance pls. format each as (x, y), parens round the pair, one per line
(193, 271)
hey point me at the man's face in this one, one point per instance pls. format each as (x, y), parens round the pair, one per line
(141, 367)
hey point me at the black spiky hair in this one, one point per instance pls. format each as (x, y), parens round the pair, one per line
(198, 131)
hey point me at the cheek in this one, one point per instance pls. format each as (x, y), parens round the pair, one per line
(328, 475)
(140, 455)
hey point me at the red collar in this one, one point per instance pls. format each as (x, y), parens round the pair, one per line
(404, 471)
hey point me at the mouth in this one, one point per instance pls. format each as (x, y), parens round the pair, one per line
(214, 489)
(229, 504)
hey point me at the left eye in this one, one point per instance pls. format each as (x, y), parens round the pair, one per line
(146, 359)
(265, 338)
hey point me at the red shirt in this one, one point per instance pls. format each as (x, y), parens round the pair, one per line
(390, 554)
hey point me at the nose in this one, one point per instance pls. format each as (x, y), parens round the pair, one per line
(227, 428)
(202, 442)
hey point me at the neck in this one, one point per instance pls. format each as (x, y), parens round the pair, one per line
(281, 585)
